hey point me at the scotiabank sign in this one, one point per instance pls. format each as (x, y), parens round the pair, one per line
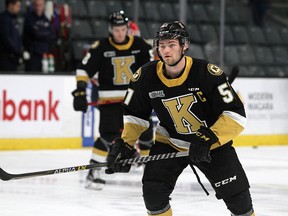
(37, 107)
(28, 109)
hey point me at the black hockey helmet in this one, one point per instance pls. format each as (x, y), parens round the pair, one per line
(172, 30)
(118, 19)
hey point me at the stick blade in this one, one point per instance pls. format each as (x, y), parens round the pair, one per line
(4, 176)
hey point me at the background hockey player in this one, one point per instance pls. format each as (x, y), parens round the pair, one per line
(115, 59)
(198, 111)
(11, 50)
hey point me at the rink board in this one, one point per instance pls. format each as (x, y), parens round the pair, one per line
(36, 113)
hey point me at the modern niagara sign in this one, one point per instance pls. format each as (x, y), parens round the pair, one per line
(265, 101)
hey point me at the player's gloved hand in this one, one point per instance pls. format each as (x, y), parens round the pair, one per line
(80, 100)
(119, 150)
(200, 145)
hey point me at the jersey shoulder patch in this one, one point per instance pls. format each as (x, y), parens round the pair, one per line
(214, 69)
(136, 75)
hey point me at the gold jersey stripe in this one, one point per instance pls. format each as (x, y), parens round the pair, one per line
(226, 129)
(99, 152)
(131, 132)
(167, 213)
(80, 72)
(165, 140)
(111, 99)
(135, 120)
(144, 153)
(177, 81)
(215, 145)
(82, 78)
(122, 46)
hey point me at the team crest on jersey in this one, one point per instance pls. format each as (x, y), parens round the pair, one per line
(180, 111)
(157, 94)
(214, 70)
(136, 75)
(108, 54)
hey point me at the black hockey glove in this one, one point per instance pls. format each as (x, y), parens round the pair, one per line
(200, 145)
(80, 101)
(119, 150)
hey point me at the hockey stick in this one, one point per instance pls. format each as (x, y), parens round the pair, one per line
(8, 176)
(234, 73)
(97, 103)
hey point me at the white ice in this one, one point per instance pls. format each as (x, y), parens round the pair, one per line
(64, 194)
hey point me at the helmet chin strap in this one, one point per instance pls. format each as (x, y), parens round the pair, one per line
(172, 65)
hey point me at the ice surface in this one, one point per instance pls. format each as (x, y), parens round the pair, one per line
(64, 194)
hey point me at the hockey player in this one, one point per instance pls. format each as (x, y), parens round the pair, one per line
(115, 59)
(198, 111)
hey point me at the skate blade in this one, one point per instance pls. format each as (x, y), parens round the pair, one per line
(94, 185)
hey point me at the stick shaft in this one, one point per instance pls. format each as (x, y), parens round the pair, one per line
(8, 176)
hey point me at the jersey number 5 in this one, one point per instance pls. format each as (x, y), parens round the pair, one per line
(226, 93)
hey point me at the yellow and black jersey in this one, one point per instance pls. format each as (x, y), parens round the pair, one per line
(115, 65)
(201, 95)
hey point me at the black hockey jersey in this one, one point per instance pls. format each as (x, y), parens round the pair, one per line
(200, 96)
(115, 65)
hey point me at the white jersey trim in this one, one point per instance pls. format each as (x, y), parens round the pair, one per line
(112, 93)
(176, 142)
(135, 120)
(98, 158)
(241, 120)
(80, 72)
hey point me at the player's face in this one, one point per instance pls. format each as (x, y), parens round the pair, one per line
(39, 6)
(170, 50)
(119, 33)
(15, 8)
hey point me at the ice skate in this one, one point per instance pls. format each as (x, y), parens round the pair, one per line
(94, 181)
